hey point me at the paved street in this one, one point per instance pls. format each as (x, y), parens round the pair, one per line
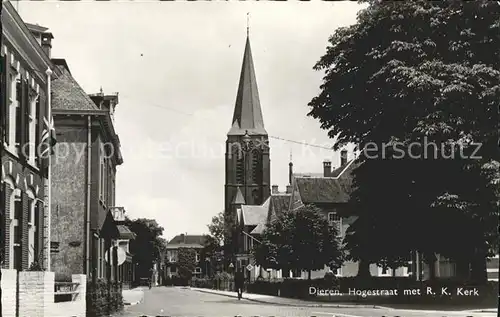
(176, 301)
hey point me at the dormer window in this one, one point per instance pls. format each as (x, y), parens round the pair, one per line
(335, 220)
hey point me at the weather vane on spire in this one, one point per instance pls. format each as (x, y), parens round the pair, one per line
(248, 23)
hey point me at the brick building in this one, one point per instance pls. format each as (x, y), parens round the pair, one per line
(83, 180)
(195, 242)
(24, 105)
(247, 155)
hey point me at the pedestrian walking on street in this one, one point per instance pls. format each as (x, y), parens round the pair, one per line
(239, 280)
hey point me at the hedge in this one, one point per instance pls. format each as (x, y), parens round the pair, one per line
(104, 298)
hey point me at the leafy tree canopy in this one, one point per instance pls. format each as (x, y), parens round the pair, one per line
(148, 245)
(409, 73)
(186, 263)
(301, 240)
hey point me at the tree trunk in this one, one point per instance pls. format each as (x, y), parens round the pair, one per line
(478, 268)
(364, 269)
(430, 260)
(462, 269)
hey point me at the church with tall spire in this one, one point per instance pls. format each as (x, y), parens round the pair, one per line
(247, 162)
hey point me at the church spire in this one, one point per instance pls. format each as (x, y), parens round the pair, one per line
(247, 111)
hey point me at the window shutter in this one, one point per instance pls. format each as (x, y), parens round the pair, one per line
(4, 103)
(38, 126)
(24, 120)
(41, 111)
(39, 224)
(19, 107)
(3, 215)
(27, 111)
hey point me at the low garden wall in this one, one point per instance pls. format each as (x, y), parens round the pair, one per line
(38, 293)
(371, 290)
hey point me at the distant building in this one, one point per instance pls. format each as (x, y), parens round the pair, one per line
(195, 242)
(83, 182)
(126, 271)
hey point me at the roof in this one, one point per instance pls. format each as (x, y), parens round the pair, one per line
(186, 241)
(107, 225)
(280, 203)
(259, 229)
(254, 215)
(247, 111)
(36, 28)
(336, 189)
(67, 93)
(125, 232)
(238, 199)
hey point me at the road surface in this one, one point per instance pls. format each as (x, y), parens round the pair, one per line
(174, 301)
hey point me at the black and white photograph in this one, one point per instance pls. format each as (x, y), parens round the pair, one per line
(249, 158)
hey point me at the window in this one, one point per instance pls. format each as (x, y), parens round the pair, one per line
(335, 220)
(32, 250)
(101, 179)
(18, 113)
(256, 167)
(16, 230)
(197, 270)
(10, 131)
(240, 169)
(173, 269)
(113, 190)
(338, 272)
(197, 257)
(35, 128)
(172, 256)
(31, 133)
(102, 265)
(384, 271)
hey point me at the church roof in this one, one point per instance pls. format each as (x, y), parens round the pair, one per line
(253, 215)
(247, 111)
(238, 199)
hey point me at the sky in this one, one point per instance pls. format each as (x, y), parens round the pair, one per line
(176, 67)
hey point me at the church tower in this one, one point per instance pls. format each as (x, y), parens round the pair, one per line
(247, 152)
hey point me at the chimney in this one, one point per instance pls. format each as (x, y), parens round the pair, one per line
(290, 172)
(289, 189)
(327, 168)
(274, 189)
(343, 157)
(47, 43)
(183, 238)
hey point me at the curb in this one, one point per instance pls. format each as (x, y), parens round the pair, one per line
(297, 305)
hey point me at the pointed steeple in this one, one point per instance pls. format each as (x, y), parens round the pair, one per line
(247, 111)
(238, 199)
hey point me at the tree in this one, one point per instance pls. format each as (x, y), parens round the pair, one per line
(186, 263)
(213, 242)
(148, 244)
(301, 240)
(405, 73)
(216, 228)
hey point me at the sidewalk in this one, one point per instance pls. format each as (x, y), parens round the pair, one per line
(275, 300)
(133, 296)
